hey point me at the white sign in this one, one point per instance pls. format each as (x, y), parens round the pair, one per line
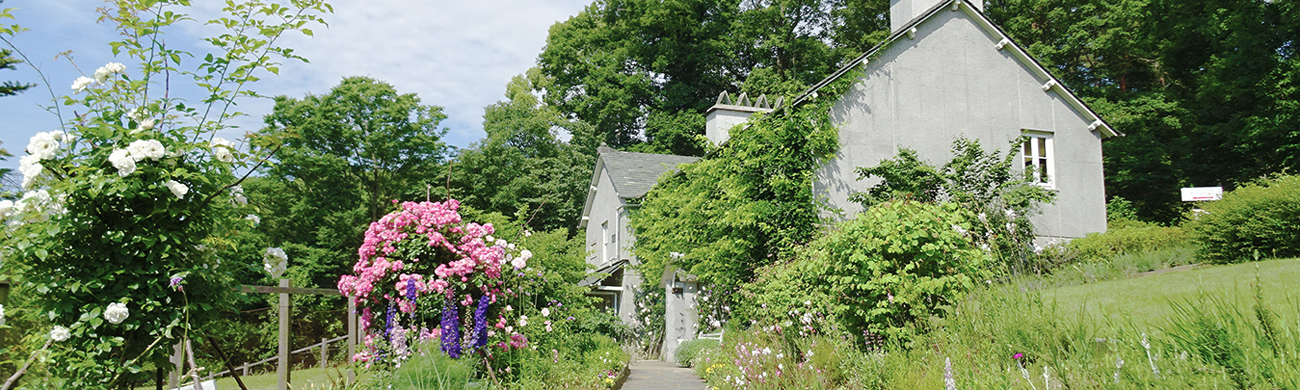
(1197, 194)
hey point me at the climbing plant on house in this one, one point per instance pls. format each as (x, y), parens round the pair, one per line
(125, 205)
(746, 203)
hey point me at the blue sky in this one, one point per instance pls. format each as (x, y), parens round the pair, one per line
(455, 54)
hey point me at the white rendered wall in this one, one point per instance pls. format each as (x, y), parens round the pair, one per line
(903, 11)
(718, 124)
(948, 81)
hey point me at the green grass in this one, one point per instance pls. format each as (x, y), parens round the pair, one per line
(1146, 300)
(313, 378)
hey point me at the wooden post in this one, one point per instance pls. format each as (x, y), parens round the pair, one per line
(352, 339)
(282, 372)
(324, 352)
(178, 362)
(245, 368)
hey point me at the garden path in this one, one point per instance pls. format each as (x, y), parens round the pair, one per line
(657, 375)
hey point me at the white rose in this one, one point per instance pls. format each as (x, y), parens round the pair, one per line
(31, 168)
(546, 312)
(43, 145)
(178, 189)
(256, 220)
(108, 69)
(146, 148)
(81, 83)
(122, 160)
(275, 262)
(60, 333)
(221, 142)
(523, 321)
(146, 124)
(223, 155)
(116, 313)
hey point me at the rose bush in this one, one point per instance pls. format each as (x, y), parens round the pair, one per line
(136, 190)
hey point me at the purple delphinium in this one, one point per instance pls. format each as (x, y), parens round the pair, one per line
(450, 329)
(410, 294)
(176, 283)
(391, 320)
(480, 323)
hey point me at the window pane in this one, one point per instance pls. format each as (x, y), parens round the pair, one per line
(1028, 144)
(1042, 147)
(1043, 165)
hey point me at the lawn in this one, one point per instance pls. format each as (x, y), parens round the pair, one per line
(313, 378)
(1146, 300)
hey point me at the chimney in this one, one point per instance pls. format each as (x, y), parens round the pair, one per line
(903, 11)
(727, 113)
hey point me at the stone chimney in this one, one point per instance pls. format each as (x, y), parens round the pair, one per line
(903, 11)
(728, 112)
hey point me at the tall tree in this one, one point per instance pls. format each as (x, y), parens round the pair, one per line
(522, 168)
(643, 71)
(8, 61)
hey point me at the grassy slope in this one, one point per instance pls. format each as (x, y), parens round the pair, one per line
(1145, 300)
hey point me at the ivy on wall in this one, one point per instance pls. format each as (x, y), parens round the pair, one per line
(746, 204)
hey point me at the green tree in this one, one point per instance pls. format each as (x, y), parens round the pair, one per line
(345, 156)
(643, 72)
(8, 61)
(522, 168)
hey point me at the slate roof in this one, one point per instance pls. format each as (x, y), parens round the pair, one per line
(634, 174)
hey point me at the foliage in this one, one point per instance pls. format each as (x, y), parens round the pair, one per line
(1004, 337)
(1205, 90)
(361, 144)
(522, 168)
(978, 181)
(7, 61)
(1262, 218)
(649, 321)
(898, 262)
(746, 204)
(688, 350)
(790, 296)
(642, 72)
(1120, 211)
(1096, 247)
(130, 200)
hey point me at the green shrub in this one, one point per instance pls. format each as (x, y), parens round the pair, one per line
(1261, 218)
(1132, 239)
(898, 262)
(687, 351)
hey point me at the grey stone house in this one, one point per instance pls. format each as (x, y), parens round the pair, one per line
(945, 71)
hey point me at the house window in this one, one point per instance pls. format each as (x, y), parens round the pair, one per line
(604, 244)
(1038, 158)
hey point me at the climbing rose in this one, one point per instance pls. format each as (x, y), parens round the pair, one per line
(43, 145)
(121, 159)
(116, 313)
(178, 189)
(103, 72)
(146, 148)
(60, 333)
(81, 83)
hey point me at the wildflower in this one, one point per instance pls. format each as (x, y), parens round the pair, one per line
(81, 83)
(176, 282)
(256, 220)
(59, 333)
(958, 229)
(523, 321)
(122, 160)
(177, 189)
(116, 313)
(546, 312)
(1017, 356)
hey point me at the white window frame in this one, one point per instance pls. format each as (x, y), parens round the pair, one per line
(1040, 151)
(604, 242)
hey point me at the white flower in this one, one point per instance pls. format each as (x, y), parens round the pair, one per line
(221, 142)
(122, 160)
(60, 333)
(489, 238)
(807, 318)
(546, 312)
(223, 155)
(31, 168)
(146, 148)
(116, 313)
(276, 261)
(146, 124)
(958, 229)
(108, 69)
(44, 145)
(178, 189)
(6, 209)
(984, 218)
(256, 220)
(237, 193)
(134, 114)
(523, 321)
(2, 315)
(81, 83)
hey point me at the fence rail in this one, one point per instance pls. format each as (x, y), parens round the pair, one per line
(323, 345)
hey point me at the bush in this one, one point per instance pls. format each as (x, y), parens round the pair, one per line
(898, 262)
(690, 349)
(1135, 238)
(1261, 218)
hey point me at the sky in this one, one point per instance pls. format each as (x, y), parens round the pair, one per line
(458, 55)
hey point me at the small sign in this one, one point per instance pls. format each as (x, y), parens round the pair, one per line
(1198, 194)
